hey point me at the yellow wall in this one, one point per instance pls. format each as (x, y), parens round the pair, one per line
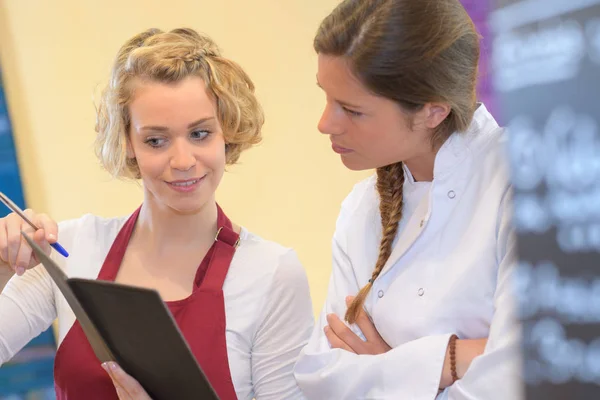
(56, 54)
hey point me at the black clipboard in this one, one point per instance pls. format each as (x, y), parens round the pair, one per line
(133, 327)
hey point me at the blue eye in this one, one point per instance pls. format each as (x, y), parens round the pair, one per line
(155, 142)
(200, 134)
(352, 113)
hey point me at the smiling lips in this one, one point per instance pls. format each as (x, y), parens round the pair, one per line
(187, 185)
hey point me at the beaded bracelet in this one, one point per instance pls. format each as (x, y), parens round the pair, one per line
(452, 347)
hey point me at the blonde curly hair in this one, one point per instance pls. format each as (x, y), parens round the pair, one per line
(170, 57)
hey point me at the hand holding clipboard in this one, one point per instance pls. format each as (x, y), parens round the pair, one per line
(133, 327)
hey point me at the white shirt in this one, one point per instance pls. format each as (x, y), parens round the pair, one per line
(268, 310)
(448, 273)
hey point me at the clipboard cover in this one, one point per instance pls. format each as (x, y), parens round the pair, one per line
(133, 327)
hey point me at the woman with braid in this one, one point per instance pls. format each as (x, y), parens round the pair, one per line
(423, 250)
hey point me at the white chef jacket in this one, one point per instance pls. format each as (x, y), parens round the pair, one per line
(268, 310)
(449, 273)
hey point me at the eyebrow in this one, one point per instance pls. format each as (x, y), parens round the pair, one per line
(164, 129)
(343, 103)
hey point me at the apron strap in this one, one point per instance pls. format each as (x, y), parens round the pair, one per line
(226, 241)
(112, 262)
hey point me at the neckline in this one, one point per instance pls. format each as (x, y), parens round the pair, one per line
(114, 259)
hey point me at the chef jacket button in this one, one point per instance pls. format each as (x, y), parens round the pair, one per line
(421, 292)
(452, 194)
(380, 294)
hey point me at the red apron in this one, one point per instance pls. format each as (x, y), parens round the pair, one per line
(200, 317)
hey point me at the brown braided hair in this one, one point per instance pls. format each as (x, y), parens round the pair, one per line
(390, 180)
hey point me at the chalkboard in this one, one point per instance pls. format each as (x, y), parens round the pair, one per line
(546, 73)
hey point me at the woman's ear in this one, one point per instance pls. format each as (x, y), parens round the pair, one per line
(435, 113)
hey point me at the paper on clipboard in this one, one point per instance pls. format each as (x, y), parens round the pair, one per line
(102, 352)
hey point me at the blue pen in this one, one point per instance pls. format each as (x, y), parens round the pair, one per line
(8, 202)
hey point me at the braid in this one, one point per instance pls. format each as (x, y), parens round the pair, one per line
(390, 180)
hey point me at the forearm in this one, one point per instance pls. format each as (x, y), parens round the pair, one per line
(465, 351)
(26, 309)
(411, 370)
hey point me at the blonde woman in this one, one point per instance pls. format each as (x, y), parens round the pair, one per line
(174, 114)
(419, 303)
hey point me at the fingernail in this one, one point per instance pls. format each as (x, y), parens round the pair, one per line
(326, 329)
(20, 271)
(104, 366)
(51, 237)
(113, 366)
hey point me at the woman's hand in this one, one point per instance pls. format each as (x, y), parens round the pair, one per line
(15, 254)
(127, 387)
(342, 337)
